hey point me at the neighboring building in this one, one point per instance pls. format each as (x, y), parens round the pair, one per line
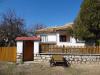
(58, 35)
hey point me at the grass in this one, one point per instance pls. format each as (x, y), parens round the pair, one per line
(45, 69)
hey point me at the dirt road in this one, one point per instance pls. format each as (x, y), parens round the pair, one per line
(45, 69)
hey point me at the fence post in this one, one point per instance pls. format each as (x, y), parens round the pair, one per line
(63, 49)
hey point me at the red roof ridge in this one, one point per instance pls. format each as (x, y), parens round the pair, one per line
(34, 38)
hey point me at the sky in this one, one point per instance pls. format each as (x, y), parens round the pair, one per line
(48, 12)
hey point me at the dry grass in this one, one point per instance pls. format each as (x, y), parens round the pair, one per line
(45, 69)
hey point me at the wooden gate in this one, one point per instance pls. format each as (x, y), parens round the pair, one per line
(28, 51)
(8, 54)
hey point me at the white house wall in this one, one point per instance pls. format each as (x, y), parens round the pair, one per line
(57, 37)
(72, 40)
(71, 43)
(36, 47)
(52, 38)
(48, 38)
(19, 46)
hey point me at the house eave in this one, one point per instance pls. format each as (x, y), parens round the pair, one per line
(54, 29)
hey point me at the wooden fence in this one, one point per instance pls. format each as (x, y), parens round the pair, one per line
(70, 50)
(8, 54)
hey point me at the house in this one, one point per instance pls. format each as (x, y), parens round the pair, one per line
(59, 35)
(54, 41)
(29, 47)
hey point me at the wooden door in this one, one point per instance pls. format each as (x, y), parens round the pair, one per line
(28, 51)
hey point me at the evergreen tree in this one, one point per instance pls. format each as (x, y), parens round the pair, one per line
(87, 23)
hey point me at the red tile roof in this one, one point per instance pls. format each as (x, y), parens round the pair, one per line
(34, 38)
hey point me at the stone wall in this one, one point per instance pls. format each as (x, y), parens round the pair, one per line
(71, 58)
(42, 58)
(19, 58)
(82, 58)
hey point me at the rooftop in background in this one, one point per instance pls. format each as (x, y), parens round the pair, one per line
(54, 29)
(33, 38)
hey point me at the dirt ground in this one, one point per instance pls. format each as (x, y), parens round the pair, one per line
(45, 69)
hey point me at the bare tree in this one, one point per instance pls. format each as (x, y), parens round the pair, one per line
(35, 27)
(11, 26)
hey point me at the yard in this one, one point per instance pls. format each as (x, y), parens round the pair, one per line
(45, 69)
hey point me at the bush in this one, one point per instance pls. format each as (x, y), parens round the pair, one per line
(98, 42)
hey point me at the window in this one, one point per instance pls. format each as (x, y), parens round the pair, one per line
(44, 38)
(64, 38)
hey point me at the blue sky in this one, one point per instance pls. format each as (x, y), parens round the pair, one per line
(48, 12)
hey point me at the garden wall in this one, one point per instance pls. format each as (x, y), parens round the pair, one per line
(70, 58)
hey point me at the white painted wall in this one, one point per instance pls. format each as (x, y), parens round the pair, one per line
(71, 43)
(57, 37)
(54, 37)
(51, 38)
(36, 47)
(19, 46)
(48, 38)
(72, 40)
